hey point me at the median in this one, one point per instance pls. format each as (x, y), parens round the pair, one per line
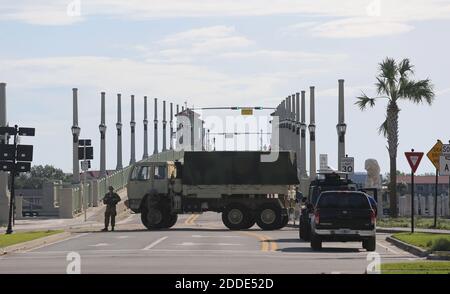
(27, 240)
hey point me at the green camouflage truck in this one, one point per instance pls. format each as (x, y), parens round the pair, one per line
(238, 184)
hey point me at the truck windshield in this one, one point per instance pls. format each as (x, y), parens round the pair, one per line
(141, 173)
(343, 201)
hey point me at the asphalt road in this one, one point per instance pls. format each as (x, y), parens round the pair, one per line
(196, 244)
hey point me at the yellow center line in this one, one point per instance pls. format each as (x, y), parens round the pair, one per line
(188, 219)
(267, 244)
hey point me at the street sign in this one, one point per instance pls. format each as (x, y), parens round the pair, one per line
(89, 153)
(435, 153)
(85, 165)
(7, 152)
(323, 161)
(27, 132)
(444, 165)
(23, 167)
(6, 166)
(348, 165)
(414, 159)
(7, 131)
(25, 152)
(247, 111)
(446, 149)
(84, 142)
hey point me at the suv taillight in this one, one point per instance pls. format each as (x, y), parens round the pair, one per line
(373, 217)
(317, 217)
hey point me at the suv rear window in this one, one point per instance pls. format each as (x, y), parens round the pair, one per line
(343, 200)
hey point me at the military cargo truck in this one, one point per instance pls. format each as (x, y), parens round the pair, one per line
(237, 184)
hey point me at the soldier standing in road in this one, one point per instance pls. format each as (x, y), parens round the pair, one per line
(111, 199)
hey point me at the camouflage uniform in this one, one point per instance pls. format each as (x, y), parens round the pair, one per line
(111, 199)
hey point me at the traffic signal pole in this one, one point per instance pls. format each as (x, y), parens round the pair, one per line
(9, 230)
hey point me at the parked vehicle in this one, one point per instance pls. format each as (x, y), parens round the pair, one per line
(342, 216)
(238, 184)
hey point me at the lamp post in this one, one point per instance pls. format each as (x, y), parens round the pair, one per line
(119, 132)
(145, 155)
(102, 129)
(75, 134)
(133, 134)
(341, 130)
(312, 134)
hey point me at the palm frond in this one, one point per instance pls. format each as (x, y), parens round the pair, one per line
(388, 69)
(383, 128)
(405, 68)
(364, 101)
(382, 87)
(417, 91)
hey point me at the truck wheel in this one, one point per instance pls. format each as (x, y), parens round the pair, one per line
(316, 242)
(171, 220)
(236, 217)
(251, 222)
(370, 244)
(153, 218)
(283, 223)
(269, 217)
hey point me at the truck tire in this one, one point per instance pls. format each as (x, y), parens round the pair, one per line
(283, 223)
(236, 217)
(316, 242)
(251, 222)
(370, 244)
(170, 221)
(153, 217)
(269, 217)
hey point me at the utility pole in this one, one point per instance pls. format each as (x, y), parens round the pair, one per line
(164, 127)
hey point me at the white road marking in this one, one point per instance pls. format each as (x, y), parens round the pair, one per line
(99, 245)
(155, 243)
(219, 244)
(202, 236)
(56, 242)
(388, 248)
(123, 237)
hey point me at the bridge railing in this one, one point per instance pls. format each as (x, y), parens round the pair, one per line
(70, 198)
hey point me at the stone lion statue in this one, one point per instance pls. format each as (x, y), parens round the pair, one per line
(373, 174)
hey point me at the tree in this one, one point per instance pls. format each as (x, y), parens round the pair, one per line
(394, 83)
(39, 175)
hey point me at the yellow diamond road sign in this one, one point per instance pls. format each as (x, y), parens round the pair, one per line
(435, 153)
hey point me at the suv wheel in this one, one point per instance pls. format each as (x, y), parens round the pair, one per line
(316, 242)
(370, 244)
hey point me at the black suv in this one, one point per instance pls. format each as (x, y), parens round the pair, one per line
(343, 216)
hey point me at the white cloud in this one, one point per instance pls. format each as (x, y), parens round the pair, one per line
(360, 28)
(50, 11)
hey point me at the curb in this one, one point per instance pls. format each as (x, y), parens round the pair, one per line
(35, 243)
(408, 247)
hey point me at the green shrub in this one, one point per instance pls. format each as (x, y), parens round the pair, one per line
(440, 244)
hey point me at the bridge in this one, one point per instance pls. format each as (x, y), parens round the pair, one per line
(289, 131)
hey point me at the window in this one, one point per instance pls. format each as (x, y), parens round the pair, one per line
(160, 172)
(343, 201)
(141, 173)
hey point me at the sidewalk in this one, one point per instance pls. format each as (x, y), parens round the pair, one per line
(94, 216)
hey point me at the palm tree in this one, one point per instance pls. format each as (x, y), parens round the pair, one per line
(394, 83)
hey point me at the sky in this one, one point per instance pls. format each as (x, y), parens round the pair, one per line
(219, 53)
